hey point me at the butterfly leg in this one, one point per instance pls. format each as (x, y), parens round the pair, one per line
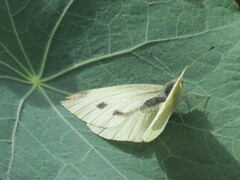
(197, 94)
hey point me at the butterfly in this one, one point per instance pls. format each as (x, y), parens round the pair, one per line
(133, 112)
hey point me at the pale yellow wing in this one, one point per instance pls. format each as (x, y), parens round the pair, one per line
(111, 106)
(158, 124)
(132, 129)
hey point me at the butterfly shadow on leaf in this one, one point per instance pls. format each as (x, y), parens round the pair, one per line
(187, 149)
(190, 150)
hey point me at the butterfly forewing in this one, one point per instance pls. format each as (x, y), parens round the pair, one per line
(111, 106)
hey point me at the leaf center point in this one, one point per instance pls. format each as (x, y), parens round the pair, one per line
(35, 80)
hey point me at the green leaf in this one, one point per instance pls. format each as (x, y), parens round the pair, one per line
(50, 49)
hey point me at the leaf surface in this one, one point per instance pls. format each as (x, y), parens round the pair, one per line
(50, 49)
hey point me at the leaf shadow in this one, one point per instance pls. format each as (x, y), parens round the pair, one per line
(184, 151)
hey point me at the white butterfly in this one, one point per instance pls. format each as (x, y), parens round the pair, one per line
(134, 112)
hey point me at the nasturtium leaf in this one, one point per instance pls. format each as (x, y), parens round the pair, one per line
(50, 49)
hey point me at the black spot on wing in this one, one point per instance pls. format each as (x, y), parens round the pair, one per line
(119, 113)
(101, 105)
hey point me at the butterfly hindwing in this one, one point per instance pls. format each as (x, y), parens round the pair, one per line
(132, 129)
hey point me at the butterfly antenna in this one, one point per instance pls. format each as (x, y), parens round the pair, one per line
(211, 48)
(159, 60)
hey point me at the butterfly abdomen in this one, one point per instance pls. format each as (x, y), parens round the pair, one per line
(153, 102)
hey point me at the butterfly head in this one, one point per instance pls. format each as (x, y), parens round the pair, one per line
(169, 86)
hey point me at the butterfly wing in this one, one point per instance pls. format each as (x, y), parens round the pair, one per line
(158, 124)
(111, 106)
(132, 129)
